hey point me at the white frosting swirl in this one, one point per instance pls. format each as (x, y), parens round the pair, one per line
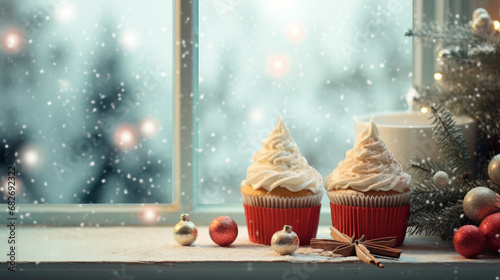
(280, 164)
(369, 166)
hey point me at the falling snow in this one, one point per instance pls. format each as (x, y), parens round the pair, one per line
(89, 116)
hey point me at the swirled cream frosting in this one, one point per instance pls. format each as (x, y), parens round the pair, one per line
(280, 164)
(369, 166)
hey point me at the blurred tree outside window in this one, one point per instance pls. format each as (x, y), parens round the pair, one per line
(86, 100)
(86, 90)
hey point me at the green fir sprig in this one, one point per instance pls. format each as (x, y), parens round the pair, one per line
(449, 138)
(469, 61)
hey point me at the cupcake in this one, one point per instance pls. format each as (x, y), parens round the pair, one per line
(281, 189)
(369, 192)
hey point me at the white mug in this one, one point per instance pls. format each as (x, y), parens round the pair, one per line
(409, 134)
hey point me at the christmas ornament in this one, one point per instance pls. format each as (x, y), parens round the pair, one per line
(443, 54)
(469, 241)
(490, 226)
(362, 248)
(481, 202)
(494, 169)
(441, 179)
(481, 22)
(223, 230)
(285, 242)
(185, 232)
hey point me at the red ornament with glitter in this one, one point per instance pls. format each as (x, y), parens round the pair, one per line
(223, 230)
(490, 226)
(469, 241)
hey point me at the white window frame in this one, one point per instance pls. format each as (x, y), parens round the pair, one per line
(185, 108)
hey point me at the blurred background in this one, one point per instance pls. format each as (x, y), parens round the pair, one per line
(319, 63)
(86, 100)
(86, 90)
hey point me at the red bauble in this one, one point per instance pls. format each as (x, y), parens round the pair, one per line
(469, 241)
(490, 226)
(223, 230)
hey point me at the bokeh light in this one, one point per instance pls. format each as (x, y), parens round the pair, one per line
(438, 76)
(130, 40)
(149, 215)
(424, 110)
(31, 157)
(4, 186)
(279, 5)
(12, 40)
(278, 65)
(256, 115)
(125, 136)
(148, 127)
(295, 32)
(65, 12)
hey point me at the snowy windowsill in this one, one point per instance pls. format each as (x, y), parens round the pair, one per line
(90, 248)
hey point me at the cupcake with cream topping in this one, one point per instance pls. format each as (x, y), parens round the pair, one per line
(281, 188)
(369, 192)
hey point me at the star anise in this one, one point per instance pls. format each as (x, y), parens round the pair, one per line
(362, 248)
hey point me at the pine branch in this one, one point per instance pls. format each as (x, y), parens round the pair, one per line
(418, 168)
(449, 138)
(428, 194)
(423, 168)
(430, 33)
(443, 221)
(470, 85)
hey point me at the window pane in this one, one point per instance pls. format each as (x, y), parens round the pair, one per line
(319, 63)
(86, 100)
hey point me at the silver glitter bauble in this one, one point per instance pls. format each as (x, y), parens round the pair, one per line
(494, 169)
(185, 232)
(481, 22)
(441, 179)
(480, 202)
(285, 242)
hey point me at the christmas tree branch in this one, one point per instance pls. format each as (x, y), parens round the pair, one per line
(424, 168)
(469, 62)
(449, 138)
(430, 33)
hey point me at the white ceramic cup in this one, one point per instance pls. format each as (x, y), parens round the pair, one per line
(409, 134)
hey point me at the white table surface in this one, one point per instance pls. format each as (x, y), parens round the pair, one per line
(156, 244)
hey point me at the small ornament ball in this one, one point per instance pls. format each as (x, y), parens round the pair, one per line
(469, 241)
(185, 232)
(494, 169)
(482, 24)
(480, 202)
(223, 230)
(490, 226)
(285, 242)
(441, 179)
(444, 53)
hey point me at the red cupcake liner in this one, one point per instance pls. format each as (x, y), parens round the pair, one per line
(263, 222)
(373, 222)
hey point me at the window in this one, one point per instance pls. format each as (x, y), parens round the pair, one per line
(195, 87)
(86, 110)
(317, 63)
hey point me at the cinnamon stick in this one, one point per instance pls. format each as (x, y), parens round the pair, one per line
(384, 241)
(339, 236)
(383, 250)
(364, 255)
(326, 244)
